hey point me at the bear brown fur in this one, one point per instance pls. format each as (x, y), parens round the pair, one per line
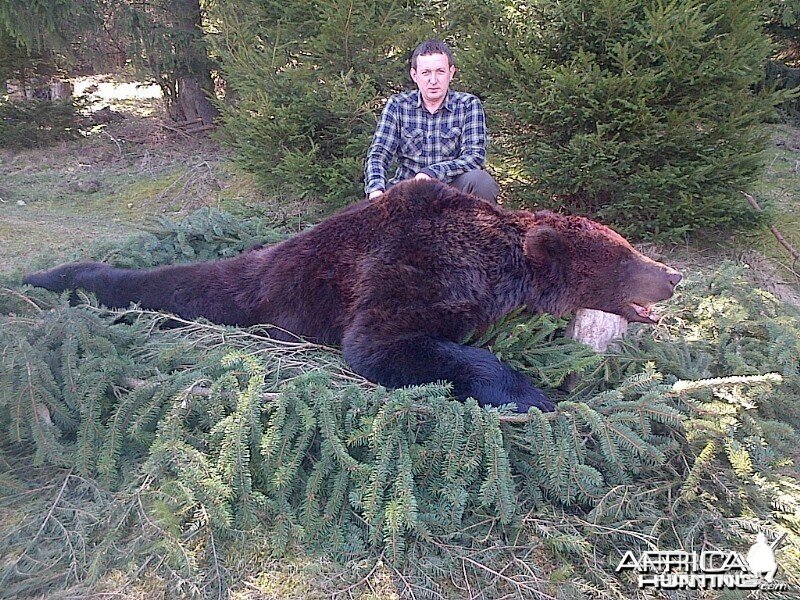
(399, 281)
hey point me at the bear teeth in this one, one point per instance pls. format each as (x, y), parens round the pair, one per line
(646, 312)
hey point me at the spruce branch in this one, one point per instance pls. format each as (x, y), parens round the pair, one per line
(684, 386)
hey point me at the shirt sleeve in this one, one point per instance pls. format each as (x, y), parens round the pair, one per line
(382, 149)
(473, 146)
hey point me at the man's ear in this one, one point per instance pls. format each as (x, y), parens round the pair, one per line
(546, 251)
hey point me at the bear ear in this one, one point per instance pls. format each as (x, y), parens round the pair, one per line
(545, 247)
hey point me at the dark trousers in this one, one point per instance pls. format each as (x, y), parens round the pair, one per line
(479, 183)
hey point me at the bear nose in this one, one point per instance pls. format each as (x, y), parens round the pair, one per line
(674, 277)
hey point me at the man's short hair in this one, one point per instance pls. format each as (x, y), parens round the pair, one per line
(431, 47)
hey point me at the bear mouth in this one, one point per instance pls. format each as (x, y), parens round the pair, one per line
(644, 312)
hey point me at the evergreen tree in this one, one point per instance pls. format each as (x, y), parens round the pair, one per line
(168, 38)
(40, 25)
(37, 123)
(306, 80)
(28, 123)
(640, 114)
(165, 39)
(783, 68)
(783, 23)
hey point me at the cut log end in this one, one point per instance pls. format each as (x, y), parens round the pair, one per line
(596, 329)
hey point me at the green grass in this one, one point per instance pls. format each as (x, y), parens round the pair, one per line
(778, 192)
(52, 234)
(57, 202)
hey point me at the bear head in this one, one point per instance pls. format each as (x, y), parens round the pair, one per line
(583, 264)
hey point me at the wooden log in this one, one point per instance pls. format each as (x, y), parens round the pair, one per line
(199, 128)
(17, 91)
(778, 236)
(185, 123)
(596, 329)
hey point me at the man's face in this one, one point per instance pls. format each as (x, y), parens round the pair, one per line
(432, 76)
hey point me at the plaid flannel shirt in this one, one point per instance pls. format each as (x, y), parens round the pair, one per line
(442, 145)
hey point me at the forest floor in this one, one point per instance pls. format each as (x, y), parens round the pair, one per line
(117, 179)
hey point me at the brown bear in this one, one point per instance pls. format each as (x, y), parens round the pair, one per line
(399, 282)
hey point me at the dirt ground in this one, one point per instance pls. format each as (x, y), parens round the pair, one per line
(57, 201)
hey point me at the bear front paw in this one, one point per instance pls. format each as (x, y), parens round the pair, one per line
(525, 395)
(512, 388)
(535, 398)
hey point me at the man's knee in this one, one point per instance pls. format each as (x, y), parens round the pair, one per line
(479, 183)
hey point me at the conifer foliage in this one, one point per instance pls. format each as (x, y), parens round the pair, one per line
(38, 123)
(216, 441)
(642, 114)
(305, 80)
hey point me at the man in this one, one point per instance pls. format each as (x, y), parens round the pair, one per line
(434, 133)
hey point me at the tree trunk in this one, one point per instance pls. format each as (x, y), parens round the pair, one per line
(596, 328)
(194, 87)
(193, 102)
(60, 90)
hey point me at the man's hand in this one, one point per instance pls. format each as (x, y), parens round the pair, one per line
(422, 176)
(375, 194)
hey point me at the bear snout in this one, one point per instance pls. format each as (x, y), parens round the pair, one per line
(661, 284)
(651, 282)
(648, 287)
(674, 277)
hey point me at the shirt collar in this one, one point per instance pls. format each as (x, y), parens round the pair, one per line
(447, 104)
